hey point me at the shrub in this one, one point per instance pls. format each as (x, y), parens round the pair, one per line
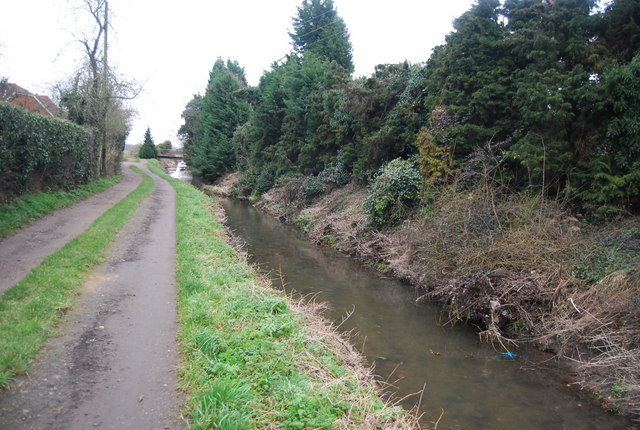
(337, 172)
(147, 151)
(435, 159)
(312, 186)
(395, 188)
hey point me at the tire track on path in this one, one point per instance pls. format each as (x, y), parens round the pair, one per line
(24, 250)
(115, 366)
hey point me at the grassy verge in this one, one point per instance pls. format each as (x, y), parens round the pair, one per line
(30, 310)
(253, 358)
(30, 207)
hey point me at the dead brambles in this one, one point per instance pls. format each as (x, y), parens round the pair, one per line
(598, 328)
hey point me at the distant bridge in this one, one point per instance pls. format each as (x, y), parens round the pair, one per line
(171, 156)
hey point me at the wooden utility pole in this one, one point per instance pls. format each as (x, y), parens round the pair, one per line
(105, 91)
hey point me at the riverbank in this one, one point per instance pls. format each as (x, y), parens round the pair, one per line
(522, 269)
(253, 357)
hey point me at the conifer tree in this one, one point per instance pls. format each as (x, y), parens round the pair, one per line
(148, 149)
(320, 30)
(221, 112)
(188, 132)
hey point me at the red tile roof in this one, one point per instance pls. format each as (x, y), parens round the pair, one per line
(18, 96)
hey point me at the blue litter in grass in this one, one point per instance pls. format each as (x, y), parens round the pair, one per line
(509, 354)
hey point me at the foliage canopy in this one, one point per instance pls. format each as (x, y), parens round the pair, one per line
(549, 86)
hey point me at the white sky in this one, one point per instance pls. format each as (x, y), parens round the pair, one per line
(171, 46)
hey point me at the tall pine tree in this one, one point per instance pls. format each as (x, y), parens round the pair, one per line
(469, 79)
(320, 30)
(221, 112)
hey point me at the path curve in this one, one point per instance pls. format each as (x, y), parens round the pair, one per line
(24, 250)
(115, 366)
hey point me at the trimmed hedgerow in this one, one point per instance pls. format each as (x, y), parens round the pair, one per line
(38, 153)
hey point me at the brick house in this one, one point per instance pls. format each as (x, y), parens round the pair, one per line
(16, 95)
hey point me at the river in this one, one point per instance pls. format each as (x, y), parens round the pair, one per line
(475, 385)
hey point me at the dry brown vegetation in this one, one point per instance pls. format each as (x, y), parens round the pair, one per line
(522, 268)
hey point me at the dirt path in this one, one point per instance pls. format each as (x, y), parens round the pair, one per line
(25, 250)
(115, 367)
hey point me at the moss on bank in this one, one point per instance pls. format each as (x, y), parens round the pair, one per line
(252, 357)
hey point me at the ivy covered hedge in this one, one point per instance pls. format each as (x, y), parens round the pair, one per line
(38, 153)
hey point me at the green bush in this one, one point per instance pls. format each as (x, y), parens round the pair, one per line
(395, 188)
(312, 186)
(337, 172)
(38, 153)
(148, 149)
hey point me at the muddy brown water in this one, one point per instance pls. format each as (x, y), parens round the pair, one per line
(475, 386)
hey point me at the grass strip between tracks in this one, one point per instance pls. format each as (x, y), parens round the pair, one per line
(30, 310)
(252, 357)
(31, 207)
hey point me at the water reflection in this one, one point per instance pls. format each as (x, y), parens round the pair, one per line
(475, 386)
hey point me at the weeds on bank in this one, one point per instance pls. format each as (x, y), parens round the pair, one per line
(30, 310)
(252, 358)
(31, 207)
(517, 265)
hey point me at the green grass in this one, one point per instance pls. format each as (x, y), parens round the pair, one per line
(30, 207)
(249, 359)
(31, 309)
(608, 253)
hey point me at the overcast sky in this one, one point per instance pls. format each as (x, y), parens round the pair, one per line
(171, 46)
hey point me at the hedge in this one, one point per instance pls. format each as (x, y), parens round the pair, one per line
(38, 152)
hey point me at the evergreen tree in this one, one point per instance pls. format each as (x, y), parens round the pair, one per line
(307, 138)
(469, 78)
(188, 132)
(148, 149)
(610, 181)
(320, 30)
(548, 42)
(384, 113)
(620, 30)
(222, 111)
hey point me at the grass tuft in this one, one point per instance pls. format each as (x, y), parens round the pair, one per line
(31, 309)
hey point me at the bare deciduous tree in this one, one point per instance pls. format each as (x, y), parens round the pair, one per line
(95, 95)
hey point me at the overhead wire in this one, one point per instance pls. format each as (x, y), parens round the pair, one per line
(313, 31)
(315, 17)
(317, 29)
